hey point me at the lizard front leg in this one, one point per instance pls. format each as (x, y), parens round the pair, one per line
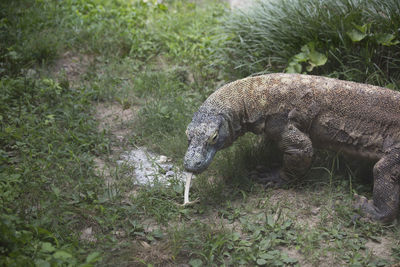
(385, 204)
(297, 152)
(297, 156)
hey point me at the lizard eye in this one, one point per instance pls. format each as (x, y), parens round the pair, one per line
(213, 139)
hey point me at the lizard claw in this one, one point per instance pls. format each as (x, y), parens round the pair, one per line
(366, 207)
(360, 200)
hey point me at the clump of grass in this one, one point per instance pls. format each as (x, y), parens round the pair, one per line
(111, 27)
(164, 116)
(358, 38)
(186, 36)
(23, 46)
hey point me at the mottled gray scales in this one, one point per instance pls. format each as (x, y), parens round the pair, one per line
(301, 112)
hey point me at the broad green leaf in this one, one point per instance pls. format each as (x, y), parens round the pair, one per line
(261, 262)
(13, 55)
(62, 255)
(245, 243)
(390, 86)
(301, 57)
(47, 247)
(93, 257)
(162, 7)
(272, 254)
(356, 35)
(56, 190)
(290, 69)
(287, 259)
(3, 23)
(47, 233)
(235, 236)
(196, 263)
(317, 58)
(270, 220)
(305, 49)
(265, 244)
(164, 110)
(386, 39)
(310, 67)
(364, 28)
(266, 256)
(286, 224)
(42, 263)
(294, 68)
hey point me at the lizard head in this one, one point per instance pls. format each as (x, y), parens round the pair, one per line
(207, 133)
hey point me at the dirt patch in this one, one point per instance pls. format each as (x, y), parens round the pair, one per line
(73, 65)
(102, 169)
(146, 167)
(87, 235)
(158, 253)
(381, 248)
(299, 203)
(113, 117)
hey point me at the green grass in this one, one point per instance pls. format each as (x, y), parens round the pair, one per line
(48, 140)
(164, 60)
(359, 39)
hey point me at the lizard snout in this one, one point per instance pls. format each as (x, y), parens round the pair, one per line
(197, 159)
(193, 160)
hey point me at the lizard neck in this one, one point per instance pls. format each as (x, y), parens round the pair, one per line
(243, 104)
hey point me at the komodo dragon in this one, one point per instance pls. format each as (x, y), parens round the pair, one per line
(301, 112)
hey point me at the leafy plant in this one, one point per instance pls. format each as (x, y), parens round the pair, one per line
(308, 54)
(358, 38)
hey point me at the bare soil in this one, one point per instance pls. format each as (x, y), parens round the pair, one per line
(73, 65)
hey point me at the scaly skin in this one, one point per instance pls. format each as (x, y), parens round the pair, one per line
(301, 112)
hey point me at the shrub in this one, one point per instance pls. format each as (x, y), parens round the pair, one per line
(348, 39)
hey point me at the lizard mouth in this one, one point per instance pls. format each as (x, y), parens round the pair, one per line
(195, 161)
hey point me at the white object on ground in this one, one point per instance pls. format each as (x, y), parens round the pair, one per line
(150, 168)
